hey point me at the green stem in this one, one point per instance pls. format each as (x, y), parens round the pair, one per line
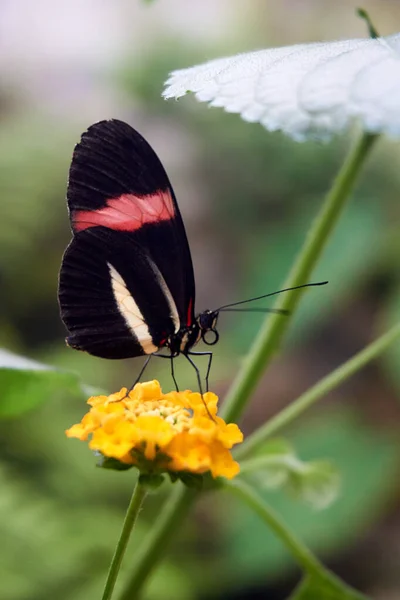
(151, 552)
(297, 549)
(320, 389)
(303, 556)
(271, 334)
(135, 504)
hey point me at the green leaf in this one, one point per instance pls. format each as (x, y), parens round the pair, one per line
(277, 466)
(317, 483)
(271, 467)
(108, 462)
(25, 384)
(151, 481)
(318, 588)
(192, 480)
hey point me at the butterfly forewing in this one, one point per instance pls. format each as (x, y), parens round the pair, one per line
(126, 281)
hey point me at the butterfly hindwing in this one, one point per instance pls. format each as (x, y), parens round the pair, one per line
(111, 306)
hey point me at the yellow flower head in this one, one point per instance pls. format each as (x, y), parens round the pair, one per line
(177, 432)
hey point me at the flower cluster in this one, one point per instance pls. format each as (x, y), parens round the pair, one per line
(177, 432)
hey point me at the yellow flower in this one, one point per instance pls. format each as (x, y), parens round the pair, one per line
(177, 432)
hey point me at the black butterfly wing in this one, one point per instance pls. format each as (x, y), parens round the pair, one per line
(123, 213)
(102, 316)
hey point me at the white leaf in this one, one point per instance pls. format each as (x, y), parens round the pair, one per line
(306, 91)
(9, 360)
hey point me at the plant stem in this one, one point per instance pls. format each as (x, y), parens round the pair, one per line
(271, 334)
(320, 389)
(153, 549)
(135, 504)
(304, 557)
(297, 549)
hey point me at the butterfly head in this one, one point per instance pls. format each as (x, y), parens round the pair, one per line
(207, 322)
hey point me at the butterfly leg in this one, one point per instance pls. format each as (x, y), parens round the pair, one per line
(199, 379)
(171, 358)
(197, 373)
(146, 362)
(210, 357)
(142, 370)
(173, 372)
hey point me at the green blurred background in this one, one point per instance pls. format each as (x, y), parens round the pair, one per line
(247, 198)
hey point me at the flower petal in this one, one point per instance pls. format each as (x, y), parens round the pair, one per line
(222, 463)
(155, 432)
(149, 390)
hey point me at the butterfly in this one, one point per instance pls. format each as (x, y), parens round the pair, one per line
(126, 284)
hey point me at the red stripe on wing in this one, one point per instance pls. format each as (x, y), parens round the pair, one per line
(190, 313)
(128, 212)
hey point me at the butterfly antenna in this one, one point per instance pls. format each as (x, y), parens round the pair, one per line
(274, 311)
(297, 287)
